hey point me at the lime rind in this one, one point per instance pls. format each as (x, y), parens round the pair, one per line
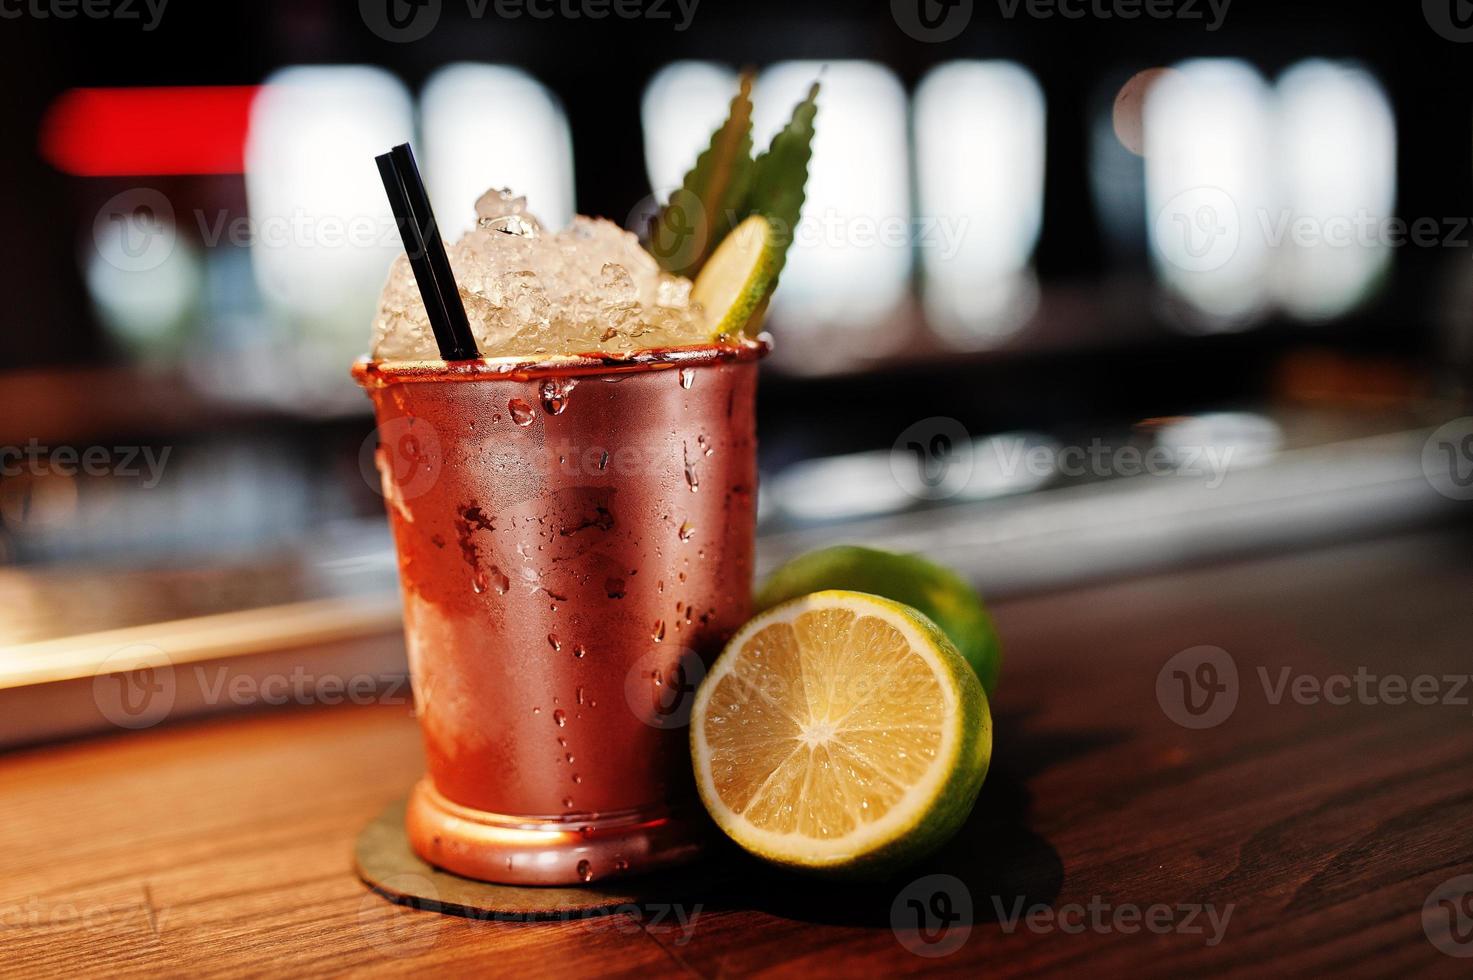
(736, 280)
(936, 591)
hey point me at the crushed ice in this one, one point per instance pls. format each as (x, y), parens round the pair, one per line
(589, 287)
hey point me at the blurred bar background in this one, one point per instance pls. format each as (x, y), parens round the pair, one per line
(1035, 256)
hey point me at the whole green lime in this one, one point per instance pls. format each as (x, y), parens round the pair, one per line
(937, 592)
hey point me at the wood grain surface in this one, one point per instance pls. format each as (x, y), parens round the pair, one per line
(1297, 836)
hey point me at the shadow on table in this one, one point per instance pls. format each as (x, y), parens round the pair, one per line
(995, 855)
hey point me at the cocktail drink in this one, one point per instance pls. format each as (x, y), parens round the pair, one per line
(575, 542)
(567, 453)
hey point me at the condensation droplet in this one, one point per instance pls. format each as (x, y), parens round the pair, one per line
(554, 642)
(580, 651)
(687, 375)
(686, 530)
(585, 871)
(659, 632)
(521, 412)
(555, 392)
(561, 717)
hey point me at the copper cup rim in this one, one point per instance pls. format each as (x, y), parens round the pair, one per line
(378, 374)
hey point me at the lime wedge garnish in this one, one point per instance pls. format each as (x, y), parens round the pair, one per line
(737, 278)
(840, 732)
(938, 592)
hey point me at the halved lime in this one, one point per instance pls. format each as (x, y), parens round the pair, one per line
(936, 591)
(735, 281)
(840, 732)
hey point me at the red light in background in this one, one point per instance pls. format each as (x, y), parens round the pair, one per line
(112, 132)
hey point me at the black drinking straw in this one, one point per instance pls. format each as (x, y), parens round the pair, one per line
(426, 253)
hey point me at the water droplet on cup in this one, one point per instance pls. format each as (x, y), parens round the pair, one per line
(554, 642)
(521, 412)
(555, 392)
(687, 375)
(561, 717)
(585, 871)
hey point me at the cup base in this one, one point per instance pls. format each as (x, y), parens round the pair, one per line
(573, 850)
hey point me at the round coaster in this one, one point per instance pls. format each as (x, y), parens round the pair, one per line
(389, 866)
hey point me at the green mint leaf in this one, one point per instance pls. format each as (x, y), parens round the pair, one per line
(701, 212)
(779, 174)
